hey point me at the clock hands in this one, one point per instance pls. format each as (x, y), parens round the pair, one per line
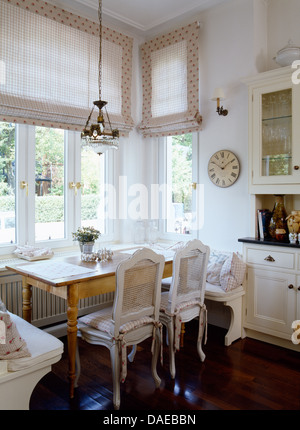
(221, 167)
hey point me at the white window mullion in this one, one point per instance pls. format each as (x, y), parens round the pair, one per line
(197, 191)
(111, 195)
(25, 184)
(31, 185)
(73, 175)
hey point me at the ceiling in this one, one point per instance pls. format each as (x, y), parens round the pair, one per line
(141, 16)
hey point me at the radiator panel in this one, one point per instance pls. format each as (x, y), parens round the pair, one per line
(47, 309)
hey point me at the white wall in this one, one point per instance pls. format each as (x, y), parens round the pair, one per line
(226, 50)
(237, 39)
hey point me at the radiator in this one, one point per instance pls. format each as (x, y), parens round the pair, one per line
(47, 309)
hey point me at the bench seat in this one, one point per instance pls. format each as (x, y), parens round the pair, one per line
(22, 375)
(234, 300)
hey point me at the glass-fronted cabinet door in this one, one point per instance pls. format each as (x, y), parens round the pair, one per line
(276, 134)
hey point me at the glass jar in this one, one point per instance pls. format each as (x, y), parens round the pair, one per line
(278, 220)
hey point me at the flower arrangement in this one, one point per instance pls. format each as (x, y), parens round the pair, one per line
(86, 234)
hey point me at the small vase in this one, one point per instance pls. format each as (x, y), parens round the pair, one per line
(86, 247)
(293, 222)
(278, 220)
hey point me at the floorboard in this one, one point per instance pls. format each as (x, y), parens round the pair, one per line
(249, 375)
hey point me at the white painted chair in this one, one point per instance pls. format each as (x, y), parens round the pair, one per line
(133, 317)
(185, 299)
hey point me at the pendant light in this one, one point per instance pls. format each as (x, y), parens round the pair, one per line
(96, 135)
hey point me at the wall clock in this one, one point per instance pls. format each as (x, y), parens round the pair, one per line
(223, 168)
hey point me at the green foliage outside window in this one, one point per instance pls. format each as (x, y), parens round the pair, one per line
(181, 170)
(49, 157)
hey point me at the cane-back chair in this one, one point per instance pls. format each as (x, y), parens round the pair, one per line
(133, 317)
(185, 299)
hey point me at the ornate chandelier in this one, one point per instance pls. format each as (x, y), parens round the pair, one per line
(95, 135)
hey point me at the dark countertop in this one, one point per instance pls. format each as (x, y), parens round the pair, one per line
(268, 242)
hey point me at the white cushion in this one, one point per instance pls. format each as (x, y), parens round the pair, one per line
(216, 291)
(232, 273)
(42, 346)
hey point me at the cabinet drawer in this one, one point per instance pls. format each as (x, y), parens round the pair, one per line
(275, 259)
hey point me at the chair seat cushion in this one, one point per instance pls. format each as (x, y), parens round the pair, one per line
(102, 320)
(179, 307)
(216, 291)
(41, 346)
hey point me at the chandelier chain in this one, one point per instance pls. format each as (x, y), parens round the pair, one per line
(100, 48)
(95, 135)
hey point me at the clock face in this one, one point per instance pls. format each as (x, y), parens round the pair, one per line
(223, 168)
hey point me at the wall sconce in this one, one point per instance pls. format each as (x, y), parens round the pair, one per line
(217, 96)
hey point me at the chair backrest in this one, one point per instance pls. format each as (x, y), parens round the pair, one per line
(189, 274)
(138, 287)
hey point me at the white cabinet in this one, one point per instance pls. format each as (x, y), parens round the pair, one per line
(274, 133)
(272, 290)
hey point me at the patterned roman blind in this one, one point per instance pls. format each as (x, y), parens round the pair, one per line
(170, 77)
(49, 58)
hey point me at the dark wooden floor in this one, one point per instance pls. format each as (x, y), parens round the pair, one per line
(249, 375)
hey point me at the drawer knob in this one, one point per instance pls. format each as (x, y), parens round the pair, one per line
(298, 288)
(296, 167)
(291, 286)
(269, 258)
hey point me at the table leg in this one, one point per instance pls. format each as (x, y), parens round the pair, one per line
(27, 308)
(72, 313)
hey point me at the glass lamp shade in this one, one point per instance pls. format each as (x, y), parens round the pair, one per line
(100, 142)
(96, 136)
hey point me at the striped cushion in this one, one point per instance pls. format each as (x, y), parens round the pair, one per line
(179, 307)
(102, 320)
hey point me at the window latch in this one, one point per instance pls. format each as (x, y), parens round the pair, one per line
(24, 185)
(75, 186)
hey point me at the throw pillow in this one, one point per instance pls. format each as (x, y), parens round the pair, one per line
(214, 266)
(2, 307)
(14, 346)
(232, 273)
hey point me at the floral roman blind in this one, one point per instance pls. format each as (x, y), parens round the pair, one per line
(49, 59)
(170, 78)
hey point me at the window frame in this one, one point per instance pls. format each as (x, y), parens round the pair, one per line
(163, 184)
(25, 205)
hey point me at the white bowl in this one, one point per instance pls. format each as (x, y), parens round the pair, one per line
(287, 55)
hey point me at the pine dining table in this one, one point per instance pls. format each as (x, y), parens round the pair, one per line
(71, 279)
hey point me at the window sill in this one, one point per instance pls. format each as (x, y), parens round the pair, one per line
(74, 250)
